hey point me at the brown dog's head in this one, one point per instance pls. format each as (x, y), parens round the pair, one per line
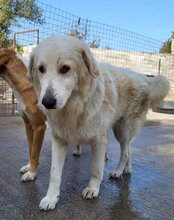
(5, 56)
(12, 68)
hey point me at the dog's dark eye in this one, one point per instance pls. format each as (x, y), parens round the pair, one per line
(41, 69)
(64, 69)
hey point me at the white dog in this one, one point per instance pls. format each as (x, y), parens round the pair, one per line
(82, 100)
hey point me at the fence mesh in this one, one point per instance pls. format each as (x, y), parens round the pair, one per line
(108, 43)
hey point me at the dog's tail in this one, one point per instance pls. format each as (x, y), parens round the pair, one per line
(159, 88)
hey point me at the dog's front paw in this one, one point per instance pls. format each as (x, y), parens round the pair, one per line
(25, 168)
(90, 192)
(115, 175)
(28, 176)
(48, 203)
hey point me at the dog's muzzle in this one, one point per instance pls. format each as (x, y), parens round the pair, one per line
(49, 101)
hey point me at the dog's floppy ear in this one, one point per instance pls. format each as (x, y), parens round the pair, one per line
(89, 61)
(33, 75)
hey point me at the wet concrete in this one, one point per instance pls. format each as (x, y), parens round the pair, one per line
(147, 194)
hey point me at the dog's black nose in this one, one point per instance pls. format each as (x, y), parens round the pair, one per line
(49, 102)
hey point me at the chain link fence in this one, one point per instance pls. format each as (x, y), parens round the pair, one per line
(111, 44)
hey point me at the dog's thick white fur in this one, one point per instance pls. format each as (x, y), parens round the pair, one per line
(82, 99)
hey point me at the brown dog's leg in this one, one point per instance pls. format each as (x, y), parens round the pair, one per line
(29, 133)
(38, 127)
(38, 137)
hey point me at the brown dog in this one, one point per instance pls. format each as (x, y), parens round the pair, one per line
(14, 71)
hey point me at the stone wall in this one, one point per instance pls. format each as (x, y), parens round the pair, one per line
(145, 63)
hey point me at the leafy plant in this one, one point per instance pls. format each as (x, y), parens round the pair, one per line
(11, 13)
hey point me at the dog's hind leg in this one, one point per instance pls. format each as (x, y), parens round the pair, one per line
(77, 151)
(124, 165)
(124, 131)
(128, 168)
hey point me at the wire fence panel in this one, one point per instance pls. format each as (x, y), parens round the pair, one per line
(110, 44)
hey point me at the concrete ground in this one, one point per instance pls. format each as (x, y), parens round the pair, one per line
(147, 194)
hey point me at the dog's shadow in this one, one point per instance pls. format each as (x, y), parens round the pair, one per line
(122, 209)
